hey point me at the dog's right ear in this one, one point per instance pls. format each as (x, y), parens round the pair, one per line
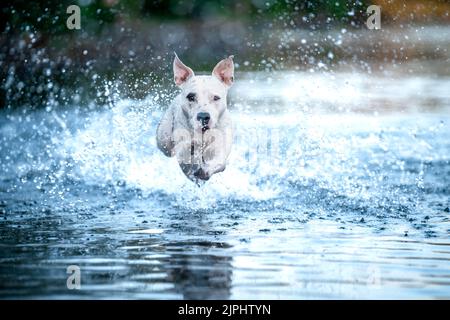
(181, 72)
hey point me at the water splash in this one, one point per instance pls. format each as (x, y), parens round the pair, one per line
(359, 157)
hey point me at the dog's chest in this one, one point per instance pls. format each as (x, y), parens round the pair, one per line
(200, 148)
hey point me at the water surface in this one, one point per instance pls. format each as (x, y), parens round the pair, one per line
(338, 186)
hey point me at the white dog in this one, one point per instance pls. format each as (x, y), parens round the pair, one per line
(197, 128)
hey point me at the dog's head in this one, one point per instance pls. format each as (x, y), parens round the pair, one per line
(204, 98)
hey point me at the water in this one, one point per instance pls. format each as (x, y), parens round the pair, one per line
(323, 197)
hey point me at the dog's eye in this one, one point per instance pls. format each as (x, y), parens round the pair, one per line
(191, 96)
(216, 98)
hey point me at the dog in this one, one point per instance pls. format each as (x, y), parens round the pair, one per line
(197, 127)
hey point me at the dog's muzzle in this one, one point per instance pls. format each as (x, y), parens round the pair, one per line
(204, 118)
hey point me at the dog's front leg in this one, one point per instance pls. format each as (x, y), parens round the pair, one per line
(216, 148)
(187, 151)
(209, 168)
(164, 133)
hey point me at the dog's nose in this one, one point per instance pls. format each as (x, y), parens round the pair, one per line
(203, 117)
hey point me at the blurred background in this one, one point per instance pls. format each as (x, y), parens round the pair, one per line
(130, 44)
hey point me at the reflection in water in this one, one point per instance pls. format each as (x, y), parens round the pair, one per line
(200, 276)
(186, 268)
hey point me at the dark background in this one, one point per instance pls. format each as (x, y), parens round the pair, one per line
(130, 44)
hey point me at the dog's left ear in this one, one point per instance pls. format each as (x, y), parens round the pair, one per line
(224, 71)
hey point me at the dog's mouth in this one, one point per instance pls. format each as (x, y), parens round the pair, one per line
(205, 128)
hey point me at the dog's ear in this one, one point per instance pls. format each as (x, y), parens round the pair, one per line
(181, 72)
(224, 71)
